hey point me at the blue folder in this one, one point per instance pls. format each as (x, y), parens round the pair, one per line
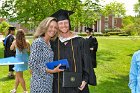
(64, 64)
(10, 61)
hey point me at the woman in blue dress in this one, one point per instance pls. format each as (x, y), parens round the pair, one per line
(22, 48)
(41, 53)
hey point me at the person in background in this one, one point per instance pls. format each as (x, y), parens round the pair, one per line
(41, 53)
(22, 47)
(76, 56)
(7, 52)
(93, 45)
(134, 74)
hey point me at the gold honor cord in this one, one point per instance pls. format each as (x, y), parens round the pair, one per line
(73, 56)
(59, 59)
(58, 72)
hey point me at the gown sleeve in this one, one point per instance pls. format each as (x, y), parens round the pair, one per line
(133, 75)
(7, 51)
(85, 60)
(35, 60)
(95, 47)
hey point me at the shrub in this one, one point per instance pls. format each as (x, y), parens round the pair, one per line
(98, 35)
(114, 33)
(106, 34)
(123, 34)
(82, 34)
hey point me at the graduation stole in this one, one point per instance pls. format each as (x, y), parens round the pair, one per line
(72, 48)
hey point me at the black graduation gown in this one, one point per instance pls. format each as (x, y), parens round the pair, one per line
(7, 51)
(93, 46)
(92, 77)
(81, 58)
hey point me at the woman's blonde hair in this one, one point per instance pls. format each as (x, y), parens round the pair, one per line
(43, 26)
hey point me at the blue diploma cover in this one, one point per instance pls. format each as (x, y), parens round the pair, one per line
(64, 64)
(10, 61)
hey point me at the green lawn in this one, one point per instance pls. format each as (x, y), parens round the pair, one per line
(113, 56)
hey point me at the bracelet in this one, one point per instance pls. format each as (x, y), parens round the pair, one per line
(47, 70)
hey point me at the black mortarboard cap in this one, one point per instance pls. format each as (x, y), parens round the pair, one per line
(62, 14)
(89, 29)
(12, 28)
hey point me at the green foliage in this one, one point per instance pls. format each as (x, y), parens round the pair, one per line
(137, 26)
(114, 33)
(33, 11)
(7, 9)
(137, 8)
(29, 34)
(112, 30)
(134, 28)
(115, 8)
(123, 34)
(82, 34)
(90, 13)
(98, 34)
(106, 34)
(128, 20)
(4, 26)
(129, 29)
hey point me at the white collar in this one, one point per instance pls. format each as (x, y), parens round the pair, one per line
(87, 37)
(62, 39)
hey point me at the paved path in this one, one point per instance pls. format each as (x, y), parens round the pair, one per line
(120, 37)
(1, 38)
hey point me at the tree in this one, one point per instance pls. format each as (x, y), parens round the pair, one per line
(133, 28)
(86, 13)
(137, 26)
(7, 6)
(115, 8)
(137, 8)
(3, 27)
(127, 20)
(33, 11)
(91, 12)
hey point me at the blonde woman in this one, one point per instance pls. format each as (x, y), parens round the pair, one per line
(41, 53)
(22, 48)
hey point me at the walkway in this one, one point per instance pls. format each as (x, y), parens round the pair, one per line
(1, 38)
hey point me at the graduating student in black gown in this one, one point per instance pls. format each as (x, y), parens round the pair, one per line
(93, 45)
(62, 48)
(7, 52)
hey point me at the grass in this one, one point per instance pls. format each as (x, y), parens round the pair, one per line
(113, 57)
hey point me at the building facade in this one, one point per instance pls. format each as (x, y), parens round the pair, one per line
(104, 24)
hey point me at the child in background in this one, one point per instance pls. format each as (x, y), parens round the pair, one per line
(22, 47)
